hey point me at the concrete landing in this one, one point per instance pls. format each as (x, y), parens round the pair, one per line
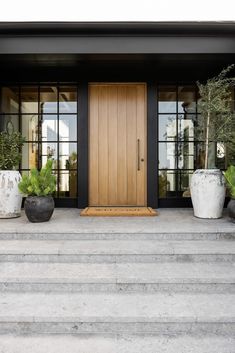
(168, 221)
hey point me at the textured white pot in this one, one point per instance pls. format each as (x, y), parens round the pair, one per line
(10, 197)
(208, 193)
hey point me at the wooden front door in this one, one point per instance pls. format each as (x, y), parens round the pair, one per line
(117, 144)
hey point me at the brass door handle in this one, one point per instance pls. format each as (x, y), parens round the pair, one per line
(138, 154)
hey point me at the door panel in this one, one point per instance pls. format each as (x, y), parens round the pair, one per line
(117, 145)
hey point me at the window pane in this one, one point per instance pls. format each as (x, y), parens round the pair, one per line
(29, 99)
(68, 155)
(167, 128)
(10, 100)
(9, 123)
(186, 127)
(48, 150)
(49, 127)
(68, 184)
(68, 99)
(186, 155)
(29, 156)
(186, 99)
(167, 155)
(167, 182)
(68, 127)
(167, 99)
(184, 178)
(48, 99)
(30, 127)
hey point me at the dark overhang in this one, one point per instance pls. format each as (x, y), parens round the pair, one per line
(117, 38)
(117, 28)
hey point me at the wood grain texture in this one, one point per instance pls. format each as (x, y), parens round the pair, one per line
(117, 119)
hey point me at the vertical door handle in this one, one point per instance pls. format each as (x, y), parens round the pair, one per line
(138, 154)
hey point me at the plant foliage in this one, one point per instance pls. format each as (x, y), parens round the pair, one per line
(230, 178)
(216, 122)
(10, 150)
(39, 183)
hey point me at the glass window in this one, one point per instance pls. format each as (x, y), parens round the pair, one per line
(68, 127)
(29, 155)
(167, 153)
(186, 99)
(68, 155)
(186, 155)
(48, 99)
(68, 184)
(48, 150)
(49, 127)
(167, 99)
(186, 127)
(167, 127)
(68, 99)
(167, 182)
(10, 100)
(30, 127)
(29, 99)
(9, 123)
(184, 179)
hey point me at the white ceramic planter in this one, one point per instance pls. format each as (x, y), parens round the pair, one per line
(10, 197)
(208, 193)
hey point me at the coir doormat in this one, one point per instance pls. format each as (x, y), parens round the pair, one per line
(119, 212)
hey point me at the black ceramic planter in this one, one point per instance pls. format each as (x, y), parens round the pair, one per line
(231, 209)
(39, 208)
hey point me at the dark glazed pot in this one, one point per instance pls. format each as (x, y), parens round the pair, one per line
(39, 208)
(231, 209)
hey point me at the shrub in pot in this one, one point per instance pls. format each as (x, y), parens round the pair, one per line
(39, 187)
(10, 157)
(230, 179)
(215, 125)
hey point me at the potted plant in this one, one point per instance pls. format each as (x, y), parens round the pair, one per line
(39, 187)
(10, 157)
(230, 179)
(215, 125)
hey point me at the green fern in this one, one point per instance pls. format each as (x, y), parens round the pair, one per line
(230, 178)
(39, 183)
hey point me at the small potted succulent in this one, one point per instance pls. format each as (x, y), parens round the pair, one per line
(230, 179)
(10, 157)
(39, 187)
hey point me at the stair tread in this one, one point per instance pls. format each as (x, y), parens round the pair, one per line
(117, 273)
(88, 307)
(115, 247)
(115, 344)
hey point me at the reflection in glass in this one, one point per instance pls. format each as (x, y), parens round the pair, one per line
(29, 155)
(167, 184)
(29, 99)
(68, 184)
(167, 99)
(186, 127)
(10, 100)
(68, 127)
(184, 179)
(167, 155)
(29, 128)
(68, 155)
(186, 155)
(49, 127)
(68, 99)
(167, 127)
(186, 99)
(48, 99)
(9, 123)
(48, 150)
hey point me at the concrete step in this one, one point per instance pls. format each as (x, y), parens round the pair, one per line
(142, 235)
(119, 277)
(76, 313)
(115, 344)
(112, 251)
